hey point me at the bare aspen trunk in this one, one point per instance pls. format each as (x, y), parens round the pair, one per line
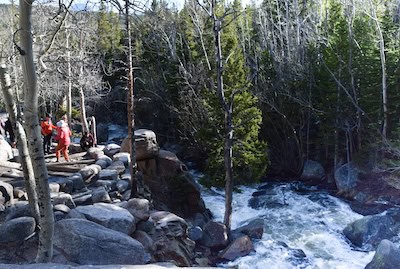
(383, 70)
(69, 89)
(130, 97)
(228, 125)
(22, 145)
(85, 125)
(93, 129)
(35, 146)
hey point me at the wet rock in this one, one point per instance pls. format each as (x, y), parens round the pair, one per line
(369, 231)
(387, 256)
(255, 229)
(238, 248)
(195, 233)
(215, 236)
(86, 242)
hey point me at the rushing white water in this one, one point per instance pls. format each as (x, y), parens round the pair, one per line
(311, 222)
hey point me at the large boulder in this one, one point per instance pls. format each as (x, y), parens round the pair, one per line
(215, 235)
(145, 142)
(369, 231)
(346, 177)
(387, 256)
(238, 248)
(85, 242)
(110, 216)
(172, 187)
(6, 152)
(170, 239)
(255, 229)
(312, 170)
(16, 230)
(139, 208)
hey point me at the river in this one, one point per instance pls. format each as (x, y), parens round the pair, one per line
(296, 223)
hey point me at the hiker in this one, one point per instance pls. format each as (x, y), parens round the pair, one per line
(87, 141)
(47, 132)
(64, 139)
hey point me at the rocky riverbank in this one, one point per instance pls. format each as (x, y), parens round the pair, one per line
(97, 223)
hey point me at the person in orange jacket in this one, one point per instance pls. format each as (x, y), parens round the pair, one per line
(64, 139)
(47, 132)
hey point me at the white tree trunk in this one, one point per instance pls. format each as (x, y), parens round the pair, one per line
(35, 143)
(26, 163)
(85, 125)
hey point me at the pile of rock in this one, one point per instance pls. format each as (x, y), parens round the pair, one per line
(96, 221)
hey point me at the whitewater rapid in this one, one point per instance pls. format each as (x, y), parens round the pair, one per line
(308, 221)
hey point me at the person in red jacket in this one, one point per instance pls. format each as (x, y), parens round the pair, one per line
(47, 131)
(64, 139)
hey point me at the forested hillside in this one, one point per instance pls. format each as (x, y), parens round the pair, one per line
(304, 79)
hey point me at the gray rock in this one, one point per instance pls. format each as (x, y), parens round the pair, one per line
(215, 235)
(255, 229)
(16, 230)
(109, 185)
(195, 233)
(54, 187)
(139, 208)
(346, 177)
(63, 198)
(108, 174)
(58, 215)
(117, 166)
(238, 248)
(105, 158)
(62, 208)
(86, 242)
(89, 171)
(169, 224)
(312, 170)
(110, 216)
(111, 149)
(77, 181)
(65, 184)
(100, 195)
(145, 142)
(95, 153)
(145, 240)
(387, 256)
(20, 193)
(180, 250)
(369, 231)
(123, 157)
(18, 209)
(102, 163)
(123, 185)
